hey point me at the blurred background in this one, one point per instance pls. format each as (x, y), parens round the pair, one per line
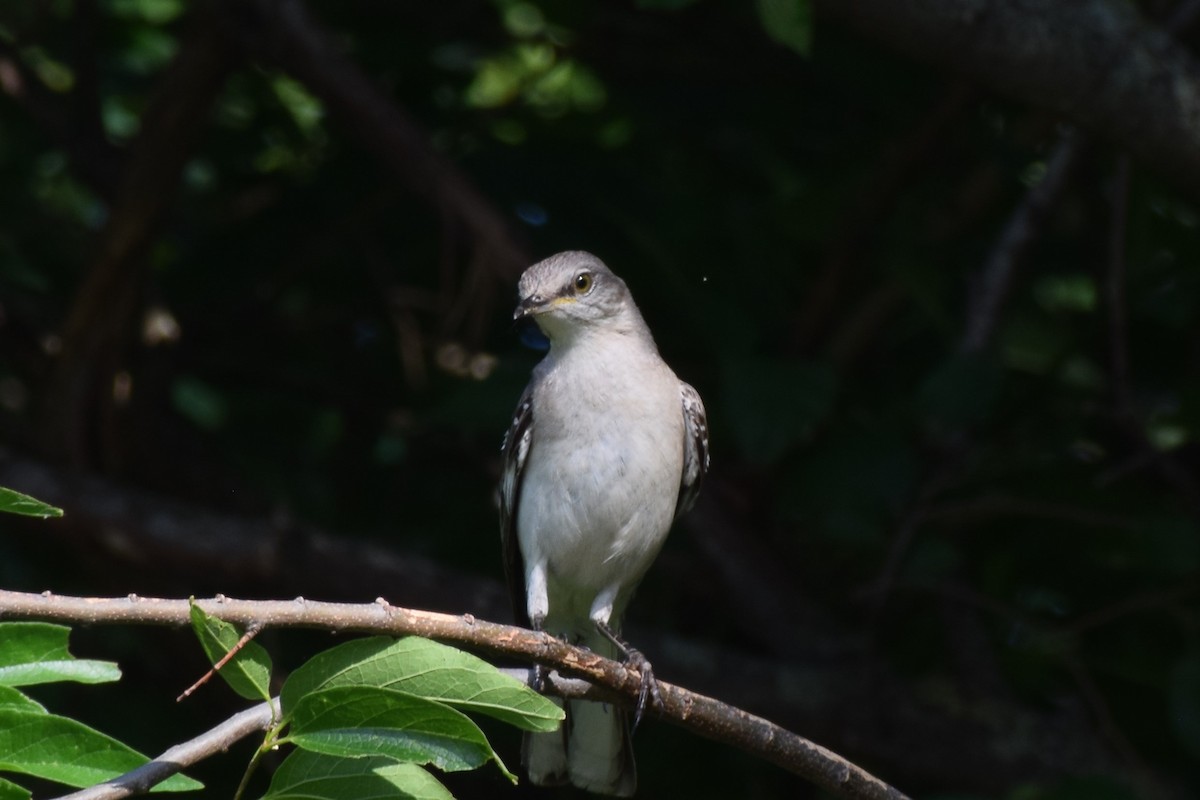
(257, 267)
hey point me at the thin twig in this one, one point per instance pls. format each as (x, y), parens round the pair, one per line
(1103, 715)
(695, 712)
(1145, 601)
(1117, 317)
(181, 756)
(994, 282)
(250, 633)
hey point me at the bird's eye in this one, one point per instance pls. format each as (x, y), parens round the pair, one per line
(583, 283)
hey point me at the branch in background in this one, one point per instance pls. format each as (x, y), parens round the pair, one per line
(860, 224)
(283, 33)
(116, 526)
(178, 758)
(993, 283)
(755, 584)
(696, 713)
(1172, 470)
(86, 115)
(1097, 63)
(1102, 713)
(103, 313)
(1118, 326)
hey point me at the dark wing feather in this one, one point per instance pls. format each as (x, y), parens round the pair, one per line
(695, 448)
(517, 442)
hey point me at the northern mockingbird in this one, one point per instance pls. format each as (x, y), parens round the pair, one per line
(607, 447)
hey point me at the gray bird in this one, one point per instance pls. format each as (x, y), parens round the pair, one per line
(606, 449)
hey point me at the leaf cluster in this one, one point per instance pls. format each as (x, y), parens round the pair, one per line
(363, 719)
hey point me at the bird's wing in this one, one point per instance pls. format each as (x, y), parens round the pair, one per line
(695, 448)
(517, 442)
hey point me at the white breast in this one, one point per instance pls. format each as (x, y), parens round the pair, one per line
(603, 474)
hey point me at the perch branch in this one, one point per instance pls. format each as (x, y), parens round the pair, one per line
(697, 713)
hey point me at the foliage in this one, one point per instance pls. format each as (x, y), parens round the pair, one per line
(315, 332)
(37, 743)
(365, 715)
(16, 503)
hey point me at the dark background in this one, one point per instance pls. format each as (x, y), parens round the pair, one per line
(257, 266)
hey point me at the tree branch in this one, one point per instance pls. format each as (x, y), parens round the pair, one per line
(1096, 63)
(284, 33)
(820, 687)
(994, 281)
(181, 756)
(104, 308)
(702, 715)
(207, 550)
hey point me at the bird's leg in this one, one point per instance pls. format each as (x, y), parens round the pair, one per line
(634, 658)
(537, 598)
(539, 673)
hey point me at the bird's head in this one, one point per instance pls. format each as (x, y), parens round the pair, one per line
(572, 292)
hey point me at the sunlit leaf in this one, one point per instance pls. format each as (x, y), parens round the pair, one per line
(64, 750)
(249, 671)
(11, 697)
(427, 669)
(312, 776)
(11, 791)
(364, 721)
(16, 503)
(36, 652)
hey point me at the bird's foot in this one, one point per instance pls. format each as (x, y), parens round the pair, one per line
(540, 674)
(634, 658)
(538, 677)
(649, 690)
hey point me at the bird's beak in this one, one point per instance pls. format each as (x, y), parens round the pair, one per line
(528, 306)
(535, 304)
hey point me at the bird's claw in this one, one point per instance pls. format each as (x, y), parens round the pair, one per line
(633, 658)
(649, 690)
(538, 677)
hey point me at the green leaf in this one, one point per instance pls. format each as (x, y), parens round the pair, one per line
(64, 750)
(775, 404)
(788, 22)
(15, 698)
(961, 392)
(157, 12)
(249, 672)
(427, 669)
(36, 652)
(11, 791)
(200, 402)
(360, 721)
(17, 503)
(312, 776)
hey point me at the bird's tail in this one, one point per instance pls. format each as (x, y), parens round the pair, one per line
(592, 750)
